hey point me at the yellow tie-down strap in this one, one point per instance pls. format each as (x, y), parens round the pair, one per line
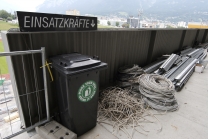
(49, 70)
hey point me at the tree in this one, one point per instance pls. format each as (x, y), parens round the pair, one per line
(125, 25)
(13, 17)
(168, 26)
(98, 21)
(4, 14)
(9, 18)
(180, 27)
(109, 23)
(117, 24)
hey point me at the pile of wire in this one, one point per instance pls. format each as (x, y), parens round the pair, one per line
(158, 92)
(127, 75)
(121, 109)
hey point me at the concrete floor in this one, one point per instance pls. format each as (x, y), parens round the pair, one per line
(189, 122)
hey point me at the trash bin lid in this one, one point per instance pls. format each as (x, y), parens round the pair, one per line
(74, 61)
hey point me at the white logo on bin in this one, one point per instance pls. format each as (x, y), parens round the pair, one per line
(87, 91)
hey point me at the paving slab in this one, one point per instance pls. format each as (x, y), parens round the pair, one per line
(99, 132)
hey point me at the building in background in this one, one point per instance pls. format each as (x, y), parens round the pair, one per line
(182, 24)
(14, 21)
(113, 20)
(133, 22)
(72, 12)
(197, 25)
(161, 25)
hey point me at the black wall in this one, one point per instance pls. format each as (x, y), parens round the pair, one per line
(115, 47)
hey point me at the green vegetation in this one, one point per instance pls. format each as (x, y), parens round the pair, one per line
(168, 26)
(3, 63)
(4, 14)
(5, 25)
(9, 18)
(125, 25)
(101, 26)
(117, 24)
(180, 27)
(109, 23)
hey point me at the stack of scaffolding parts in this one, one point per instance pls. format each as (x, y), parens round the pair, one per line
(153, 66)
(179, 68)
(167, 64)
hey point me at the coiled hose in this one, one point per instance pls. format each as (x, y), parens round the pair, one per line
(158, 92)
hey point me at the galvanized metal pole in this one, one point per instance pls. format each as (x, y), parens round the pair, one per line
(45, 83)
(14, 53)
(180, 76)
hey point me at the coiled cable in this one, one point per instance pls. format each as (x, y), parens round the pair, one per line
(127, 75)
(157, 92)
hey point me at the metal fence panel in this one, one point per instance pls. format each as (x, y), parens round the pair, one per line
(27, 94)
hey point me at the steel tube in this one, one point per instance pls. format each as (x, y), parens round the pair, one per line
(186, 50)
(187, 74)
(45, 82)
(185, 70)
(153, 67)
(203, 57)
(166, 62)
(170, 63)
(14, 53)
(26, 129)
(193, 52)
(177, 67)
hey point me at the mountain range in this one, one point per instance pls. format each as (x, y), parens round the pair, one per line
(170, 10)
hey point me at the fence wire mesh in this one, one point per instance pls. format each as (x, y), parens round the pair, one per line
(11, 100)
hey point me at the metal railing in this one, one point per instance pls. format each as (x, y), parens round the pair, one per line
(14, 132)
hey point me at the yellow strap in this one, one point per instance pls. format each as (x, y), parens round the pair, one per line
(47, 65)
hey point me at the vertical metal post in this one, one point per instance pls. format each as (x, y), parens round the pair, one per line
(45, 83)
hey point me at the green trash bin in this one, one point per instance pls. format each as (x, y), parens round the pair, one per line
(77, 88)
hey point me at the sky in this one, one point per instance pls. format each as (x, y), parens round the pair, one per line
(21, 5)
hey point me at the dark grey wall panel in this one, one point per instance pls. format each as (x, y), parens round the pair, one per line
(166, 42)
(201, 34)
(112, 47)
(205, 38)
(189, 37)
(132, 48)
